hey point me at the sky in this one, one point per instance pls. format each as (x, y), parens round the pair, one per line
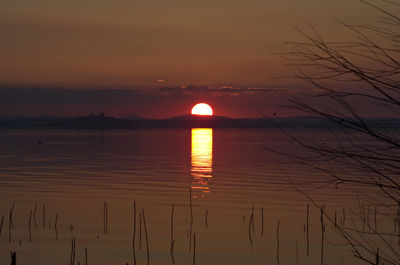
(156, 58)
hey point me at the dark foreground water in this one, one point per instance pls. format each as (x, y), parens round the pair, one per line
(59, 188)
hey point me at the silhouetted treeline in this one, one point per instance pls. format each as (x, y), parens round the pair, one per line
(107, 122)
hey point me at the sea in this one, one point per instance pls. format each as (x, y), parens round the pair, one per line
(170, 196)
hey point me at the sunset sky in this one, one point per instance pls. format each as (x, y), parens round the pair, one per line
(156, 58)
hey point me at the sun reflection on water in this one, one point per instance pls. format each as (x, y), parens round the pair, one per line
(201, 161)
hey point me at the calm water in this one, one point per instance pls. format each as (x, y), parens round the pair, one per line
(228, 172)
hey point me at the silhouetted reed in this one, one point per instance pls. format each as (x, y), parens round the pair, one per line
(86, 257)
(277, 242)
(1, 224)
(307, 229)
(105, 218)
(29, 226)
(206, 219)
(376, 225)
(11, 215)
(140, 230)
(55, 226)
(262, 221)
(251, 225)
(322, 234)
(44, 216)
(134, 232)
(377, 257)
(147, 238)
(34, 216)
(191, 219)
(194, 249)
(72, 257)
(172, 243)
(9, 226)
(13, 258)
(344, 217)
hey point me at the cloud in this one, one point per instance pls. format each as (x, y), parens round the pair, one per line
(215, 91)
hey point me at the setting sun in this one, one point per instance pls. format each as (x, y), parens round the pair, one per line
(202, 109)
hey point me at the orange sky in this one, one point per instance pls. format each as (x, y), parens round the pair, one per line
(99, 44)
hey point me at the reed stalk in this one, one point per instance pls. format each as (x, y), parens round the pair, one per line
(34, 216)
(72, 257)
(29, 226)
(140, 230)
(13, 258)
(44, 216)
(147, 238)
(194, 249)
(307, 229)
(172, 243)
(55, 226)
(11, 216)
(134, 233)
(250, 225)
(262, 221)
(322, 234)
(191, 219)
(206, 221)
(277, 242)
(9, 226)
(1, 224)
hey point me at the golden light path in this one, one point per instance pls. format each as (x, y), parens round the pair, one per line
(201, 161)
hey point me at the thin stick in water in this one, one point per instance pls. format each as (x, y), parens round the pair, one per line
(1, 224)
(376, 227)
(252, 219)
(13, 258)
(134, 233)
(262, 221)
(344, 217)
(172, 235)
(277, 242)
(377, 256)
(44, 216)
(191, 219)
(250, 223)
(206, 219)
(9, 226)
(105, 217)
(55, 226)
(147, 238)
(86, 256)
(29, 226)
(11, 216)
(307, 229)
(322, 234)
(34, 216)
(72, 257)
(335, 218)
(194, 249)
(140, 230)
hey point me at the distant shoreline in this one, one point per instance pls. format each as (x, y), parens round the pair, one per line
(107, 122)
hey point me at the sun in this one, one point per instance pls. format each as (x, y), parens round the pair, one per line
(202, 109)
